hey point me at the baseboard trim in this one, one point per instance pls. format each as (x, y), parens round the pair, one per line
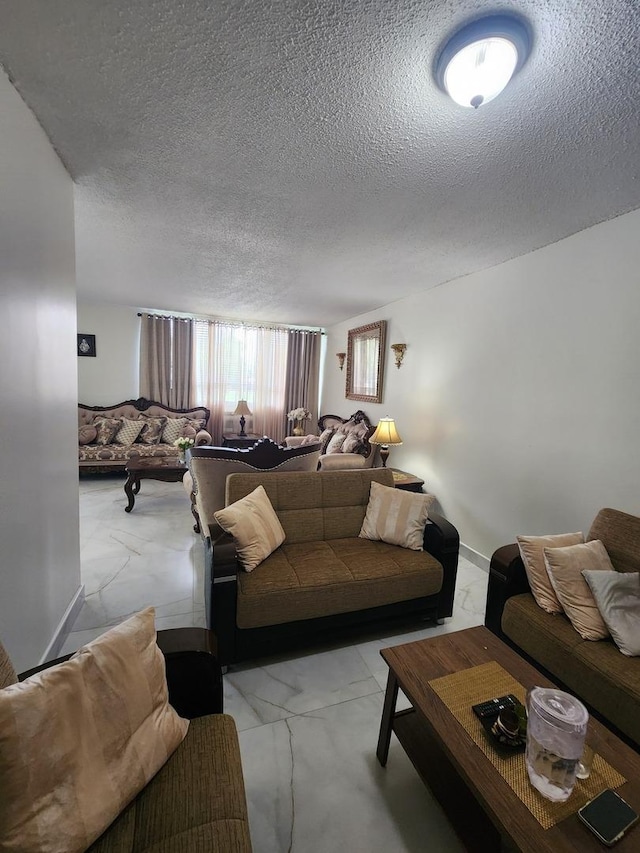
(474, 557)
(64, 626)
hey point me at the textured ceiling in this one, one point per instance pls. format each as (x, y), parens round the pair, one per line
(294, 161)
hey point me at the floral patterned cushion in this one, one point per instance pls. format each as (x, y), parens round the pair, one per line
(106, 429)
(151, 430)
(325, 438)
(128, 432)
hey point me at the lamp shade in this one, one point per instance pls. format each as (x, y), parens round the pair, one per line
(386, 433)
(476, 64)
(242, 408)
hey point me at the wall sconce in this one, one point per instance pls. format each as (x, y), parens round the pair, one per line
(398, 351)
(341, 357)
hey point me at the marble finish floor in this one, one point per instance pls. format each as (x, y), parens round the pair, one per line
(308, 722)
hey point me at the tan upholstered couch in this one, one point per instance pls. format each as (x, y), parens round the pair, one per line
(197, 800)
(104, 447)
(324, 578)
(596, 671)
(357, 430)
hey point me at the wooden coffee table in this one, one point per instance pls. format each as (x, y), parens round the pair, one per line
(481, 804)
(167, 469)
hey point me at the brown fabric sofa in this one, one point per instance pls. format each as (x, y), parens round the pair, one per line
(324, 579)
(596, 671)
(357, 427)
(197, 800)
(113, 456)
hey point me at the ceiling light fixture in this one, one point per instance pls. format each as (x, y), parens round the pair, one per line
(477, 62)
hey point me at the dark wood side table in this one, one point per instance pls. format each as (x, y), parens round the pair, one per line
(407, 482)
(232, 439)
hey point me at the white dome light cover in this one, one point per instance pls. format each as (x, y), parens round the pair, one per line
(476, 64)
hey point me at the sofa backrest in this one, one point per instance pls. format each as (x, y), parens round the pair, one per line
(133, 408)
(619, 532)
(7, 672)
(209, 467)
(314, 507)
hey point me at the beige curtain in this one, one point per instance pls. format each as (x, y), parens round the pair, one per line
(303, 375)
(236, 362)
(166, 360)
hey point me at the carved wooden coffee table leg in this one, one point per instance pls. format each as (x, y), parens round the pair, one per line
(131, 489)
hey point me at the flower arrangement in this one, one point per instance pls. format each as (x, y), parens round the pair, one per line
(299, 414)
(183, 443)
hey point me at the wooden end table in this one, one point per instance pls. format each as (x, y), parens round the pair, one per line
(168, 469)
(241, 441)
(483, 808)
(405, 481)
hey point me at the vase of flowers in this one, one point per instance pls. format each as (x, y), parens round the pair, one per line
(298, 417)
(183, 444)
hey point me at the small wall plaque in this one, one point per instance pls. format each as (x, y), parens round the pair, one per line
(87, 345)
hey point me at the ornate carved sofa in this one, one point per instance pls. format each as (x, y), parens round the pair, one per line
(338, 453)
(108, 436)
(206, 479)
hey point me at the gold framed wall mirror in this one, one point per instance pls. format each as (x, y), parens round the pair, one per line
(365, 362)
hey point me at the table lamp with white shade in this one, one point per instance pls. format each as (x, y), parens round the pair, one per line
(385, 434)
(242, 409)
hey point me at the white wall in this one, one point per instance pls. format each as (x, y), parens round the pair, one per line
(113, 375)
(40, 554)
(518, 397)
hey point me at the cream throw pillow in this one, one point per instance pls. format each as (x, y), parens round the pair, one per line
(617, 595)
(396, 517)
(565, 566)
(255, 527)
(128, 432)
(80, 740)
(173, 429)
(531, 551)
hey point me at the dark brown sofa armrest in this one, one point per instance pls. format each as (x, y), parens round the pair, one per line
(442, 541)
(507, 577)
(194, 678)
(35, 669)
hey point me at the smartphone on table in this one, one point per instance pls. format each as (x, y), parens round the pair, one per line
(608, 816)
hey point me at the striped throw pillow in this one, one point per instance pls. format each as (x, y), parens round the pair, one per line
(396, 517)
(255, 527)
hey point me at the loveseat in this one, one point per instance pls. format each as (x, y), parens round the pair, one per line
(196, 801)
(344, 442)
(324, 579)
(607, 681)
(108, 436)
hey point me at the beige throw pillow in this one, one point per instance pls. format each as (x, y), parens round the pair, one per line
(173, 429)
(255, 527)
(531, 551)
(128, 432)
(396, 517)
(335, 443)
(565, 566)
(78, 741)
